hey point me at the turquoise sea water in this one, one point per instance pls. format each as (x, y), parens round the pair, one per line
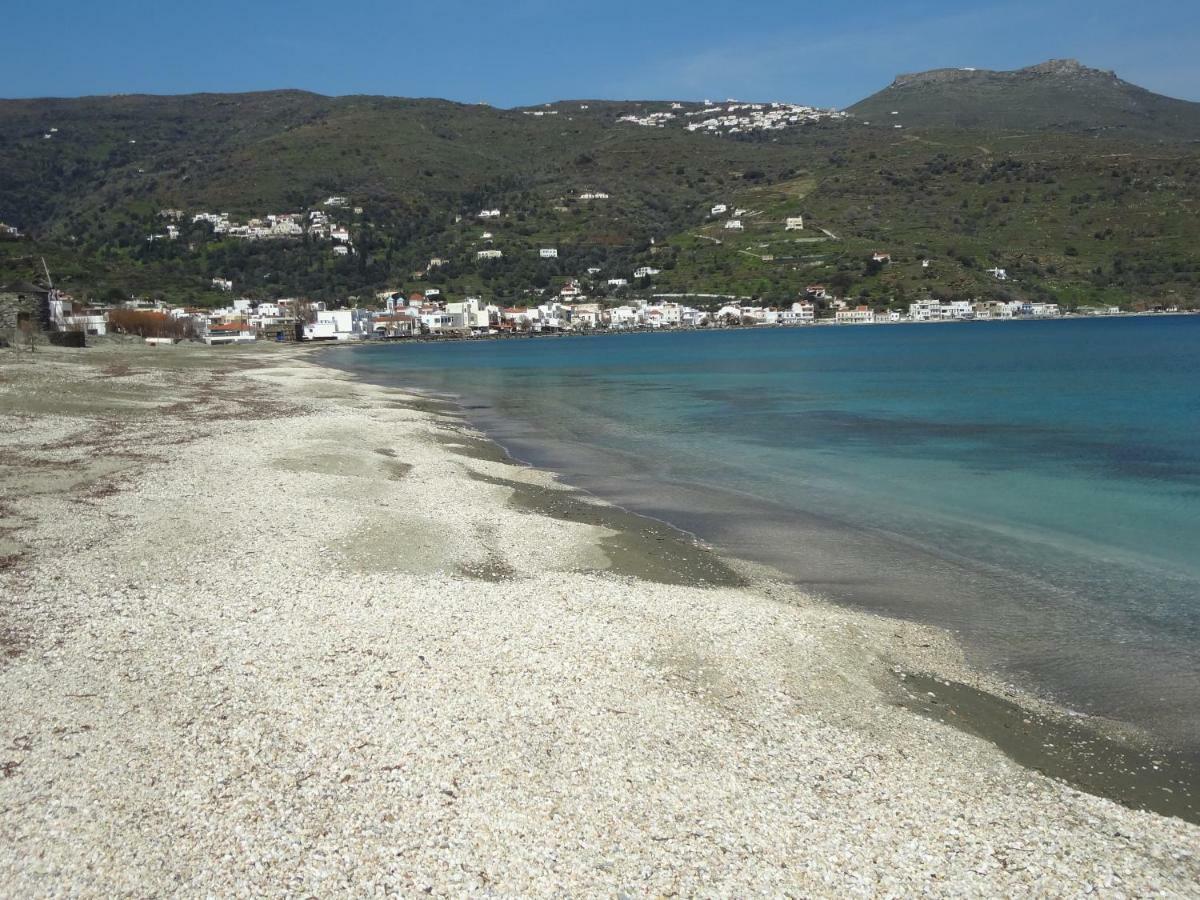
(1033, 486)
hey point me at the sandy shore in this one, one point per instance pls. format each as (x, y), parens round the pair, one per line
(272, 631)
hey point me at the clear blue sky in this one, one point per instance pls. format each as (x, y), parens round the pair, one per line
(516, 52)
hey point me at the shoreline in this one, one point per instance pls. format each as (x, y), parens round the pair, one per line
(1106, 757)
(554, 682)
(645, 329)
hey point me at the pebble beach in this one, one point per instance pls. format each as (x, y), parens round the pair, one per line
(268, 630)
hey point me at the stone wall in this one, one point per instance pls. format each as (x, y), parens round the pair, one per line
(16, 305)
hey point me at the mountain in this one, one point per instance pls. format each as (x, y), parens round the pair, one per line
(1057, 95)
(1082, 214)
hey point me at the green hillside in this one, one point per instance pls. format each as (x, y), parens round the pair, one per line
(1072, 213)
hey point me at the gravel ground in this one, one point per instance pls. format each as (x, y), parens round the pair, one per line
(271, 634)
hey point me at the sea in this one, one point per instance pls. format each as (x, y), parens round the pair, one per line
(1032, 486)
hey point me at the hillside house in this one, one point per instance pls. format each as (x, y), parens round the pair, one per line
(881, 257)
(793, 223)
(719, 210)
(489, 254)
(734, 225)
(548, 253)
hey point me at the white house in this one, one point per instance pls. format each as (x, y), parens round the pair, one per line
(860, 315)
(222, 284)
(552, 316)
(548, 253)
(618, 282)
(338, 325)
(489, 254)
(587, 315)
(66, 316)
(645, 272)
(793, 223)
(517, 315)
(663, 314)
(734, 225)
(395, 325)
(341, 250)
(799, 314)
(720, 209)
(728, 311)
(443, 321)
(881, 257)
(624, 316)
(925, 310)
(489, 214)
(998, 273)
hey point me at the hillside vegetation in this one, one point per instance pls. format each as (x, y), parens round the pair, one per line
(1069, 209)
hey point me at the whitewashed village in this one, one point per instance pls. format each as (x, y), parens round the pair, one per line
(391, 315)
(594, 301)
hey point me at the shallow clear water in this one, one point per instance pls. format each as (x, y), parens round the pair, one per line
(1033, 486)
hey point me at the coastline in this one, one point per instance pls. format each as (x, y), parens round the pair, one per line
(322, 631)
(1108, 757)
(821, 323)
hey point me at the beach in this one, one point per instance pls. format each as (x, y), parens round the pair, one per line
(271, 630)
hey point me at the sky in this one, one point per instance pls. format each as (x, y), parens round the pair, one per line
(522, 52)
